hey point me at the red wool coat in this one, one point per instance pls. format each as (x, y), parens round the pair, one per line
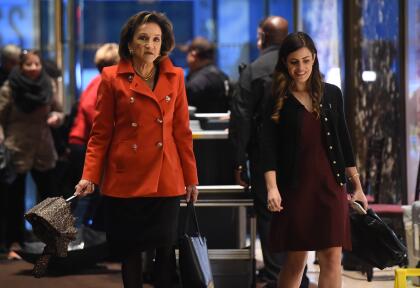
(141, 144)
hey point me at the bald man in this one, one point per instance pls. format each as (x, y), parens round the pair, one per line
(247, 108)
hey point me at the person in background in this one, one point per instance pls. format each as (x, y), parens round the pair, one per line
(29, 106)
(307, 158)
(140, 149)
(106, 55)
(247, 109)
(9, 58)
(208, 88)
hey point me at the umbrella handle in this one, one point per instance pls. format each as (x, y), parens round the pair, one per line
(71, 198)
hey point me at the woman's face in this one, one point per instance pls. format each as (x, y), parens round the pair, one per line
(146, 42)
(299, 65)
(32, 66)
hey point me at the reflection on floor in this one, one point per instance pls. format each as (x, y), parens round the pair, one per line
(351, 279)
(17, 274)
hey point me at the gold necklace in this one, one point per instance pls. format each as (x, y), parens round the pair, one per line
(146, 77)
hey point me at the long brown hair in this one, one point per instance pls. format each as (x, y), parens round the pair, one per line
(282, 80)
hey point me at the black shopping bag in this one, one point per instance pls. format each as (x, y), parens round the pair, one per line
(374, 242)
(194, 261)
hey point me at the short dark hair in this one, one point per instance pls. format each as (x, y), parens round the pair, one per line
(204, 49)
(129, 28)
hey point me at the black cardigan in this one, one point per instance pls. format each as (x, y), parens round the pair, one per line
(280, 141)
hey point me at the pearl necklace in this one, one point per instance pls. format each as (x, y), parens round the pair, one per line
(146, 77)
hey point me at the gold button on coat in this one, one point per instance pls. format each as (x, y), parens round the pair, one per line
(134, 124)
(167, 98)
(131, 99)
(159, 144)
(159, 120)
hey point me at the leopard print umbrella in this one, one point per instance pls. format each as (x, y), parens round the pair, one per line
(53, 223)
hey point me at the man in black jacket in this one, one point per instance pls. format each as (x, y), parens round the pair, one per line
(246, 117)
(207, 86)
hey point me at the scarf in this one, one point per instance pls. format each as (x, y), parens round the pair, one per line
(30, 94)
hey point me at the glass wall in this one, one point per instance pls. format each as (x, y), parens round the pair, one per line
(322, 20)
(413, 94)
(376, 96)
(19, 23)
(217, 20)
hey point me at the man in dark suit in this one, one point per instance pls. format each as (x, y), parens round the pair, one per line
(207, 86)
(247, 108)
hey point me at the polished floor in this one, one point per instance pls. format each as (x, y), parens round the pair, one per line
(16, 274)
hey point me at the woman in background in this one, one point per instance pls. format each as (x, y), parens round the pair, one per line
(29, 106)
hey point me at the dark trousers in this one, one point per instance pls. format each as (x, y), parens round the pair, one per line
(272, 261)
(12, 205)
(164, 270)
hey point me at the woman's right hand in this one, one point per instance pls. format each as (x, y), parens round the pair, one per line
(274, 200)
(83, 188)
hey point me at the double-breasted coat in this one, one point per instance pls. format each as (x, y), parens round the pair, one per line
(140, 143)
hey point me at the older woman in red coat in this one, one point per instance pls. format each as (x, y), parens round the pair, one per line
(140, 148)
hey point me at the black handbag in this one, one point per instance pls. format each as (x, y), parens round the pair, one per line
(7, 172)
(194, 261)
(374, 242)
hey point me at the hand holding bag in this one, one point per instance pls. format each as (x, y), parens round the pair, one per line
(193, 256)
(374, 242)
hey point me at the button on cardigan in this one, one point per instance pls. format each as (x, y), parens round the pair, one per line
(280, 141)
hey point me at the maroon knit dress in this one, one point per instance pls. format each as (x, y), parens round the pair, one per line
(315, 214)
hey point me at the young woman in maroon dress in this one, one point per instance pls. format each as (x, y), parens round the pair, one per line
(308, 158)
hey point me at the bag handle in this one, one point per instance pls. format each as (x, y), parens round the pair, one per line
(191, 212)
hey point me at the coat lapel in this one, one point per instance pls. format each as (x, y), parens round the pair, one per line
(163, 86)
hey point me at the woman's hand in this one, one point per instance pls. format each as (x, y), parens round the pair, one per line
(359, 196)
(192, 193)
(53, 120)
(83, 188)
(274, 200)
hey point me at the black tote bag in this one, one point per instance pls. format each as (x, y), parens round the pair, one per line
(374, 242)
(194, 261)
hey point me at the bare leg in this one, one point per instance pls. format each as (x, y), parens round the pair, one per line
(292, 270)
(330, 267)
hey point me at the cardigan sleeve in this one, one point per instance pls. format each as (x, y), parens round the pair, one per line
(343, 132)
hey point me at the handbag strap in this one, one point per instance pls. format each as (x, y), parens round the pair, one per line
(191, 212)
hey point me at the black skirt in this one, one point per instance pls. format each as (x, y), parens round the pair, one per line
(139, 224)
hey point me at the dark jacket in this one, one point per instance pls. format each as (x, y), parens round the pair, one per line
(280, 142)
(208, 90)
(247, 106)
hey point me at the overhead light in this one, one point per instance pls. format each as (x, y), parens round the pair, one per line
(369, 76)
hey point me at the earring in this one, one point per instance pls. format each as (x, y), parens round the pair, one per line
(131, 51)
